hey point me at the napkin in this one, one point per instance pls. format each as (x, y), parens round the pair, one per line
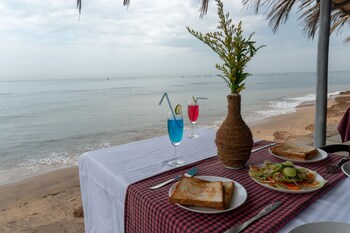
(344, 126)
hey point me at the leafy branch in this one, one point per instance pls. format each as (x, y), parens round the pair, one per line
(232, 47)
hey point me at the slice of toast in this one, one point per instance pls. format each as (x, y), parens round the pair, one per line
(228, 192)
(197, 192)
(294, 151)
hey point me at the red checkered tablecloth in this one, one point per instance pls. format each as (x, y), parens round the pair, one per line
(149, 210)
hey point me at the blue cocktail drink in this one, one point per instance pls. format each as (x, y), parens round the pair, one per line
(175, 130)
(175, 125)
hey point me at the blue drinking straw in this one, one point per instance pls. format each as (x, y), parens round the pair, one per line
(171, 108)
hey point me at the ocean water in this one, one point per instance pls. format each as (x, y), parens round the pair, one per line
(48, 124)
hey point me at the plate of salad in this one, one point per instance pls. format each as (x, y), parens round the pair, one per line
(286, 177)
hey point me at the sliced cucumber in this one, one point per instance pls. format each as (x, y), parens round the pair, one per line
(289, 172)
(288, 164)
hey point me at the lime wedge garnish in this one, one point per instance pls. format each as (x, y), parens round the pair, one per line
(178, 109)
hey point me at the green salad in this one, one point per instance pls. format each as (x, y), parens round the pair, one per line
(285, 176)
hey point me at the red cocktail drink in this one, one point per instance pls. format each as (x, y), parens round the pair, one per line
(193, 113)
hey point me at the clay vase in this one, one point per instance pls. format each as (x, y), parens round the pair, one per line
(234, 139)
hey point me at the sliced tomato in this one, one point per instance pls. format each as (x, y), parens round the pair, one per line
(293, 187)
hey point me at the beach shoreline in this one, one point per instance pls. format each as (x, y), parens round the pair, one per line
(300, 124)
(51, 202)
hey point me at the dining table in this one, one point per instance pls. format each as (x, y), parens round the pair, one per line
(116, 198)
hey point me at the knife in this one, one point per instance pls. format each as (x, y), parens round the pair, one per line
(266, 210)
(263, 147)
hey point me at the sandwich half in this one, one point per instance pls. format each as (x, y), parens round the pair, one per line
(294, 151)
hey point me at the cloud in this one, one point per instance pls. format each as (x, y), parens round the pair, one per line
(46, 38)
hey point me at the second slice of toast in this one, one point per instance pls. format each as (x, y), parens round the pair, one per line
(228, 193)
(294, 151)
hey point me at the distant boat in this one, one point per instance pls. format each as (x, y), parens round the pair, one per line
(107, 78)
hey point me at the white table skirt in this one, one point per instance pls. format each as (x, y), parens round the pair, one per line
(105, 175)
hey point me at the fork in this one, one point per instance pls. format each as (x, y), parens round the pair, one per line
(332, 168)
(190, 173)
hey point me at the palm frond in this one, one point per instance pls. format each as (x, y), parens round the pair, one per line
(255, 4)
(278, 10)
(347, 39)
(311, 18)
(279, 13)
(204, 8)
(79, 6)
(338, 20)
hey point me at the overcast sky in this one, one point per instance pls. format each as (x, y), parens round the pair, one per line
(45, 39)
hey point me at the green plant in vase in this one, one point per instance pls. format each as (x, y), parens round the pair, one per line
(233, 49)
(234, 138)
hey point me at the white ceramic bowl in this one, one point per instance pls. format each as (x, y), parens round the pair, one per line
(346, 169)
(322, 227)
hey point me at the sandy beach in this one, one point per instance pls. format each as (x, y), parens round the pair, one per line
(43, 203)
(52, 203)
(299, 124)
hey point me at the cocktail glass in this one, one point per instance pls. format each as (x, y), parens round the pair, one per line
(175, 131)
(193, 113)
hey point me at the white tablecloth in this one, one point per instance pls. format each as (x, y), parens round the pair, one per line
(105, 175)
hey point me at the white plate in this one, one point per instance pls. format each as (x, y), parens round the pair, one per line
(238, 198)
(320, 156)
(322, 227)
(307, 190)
(346, 168)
